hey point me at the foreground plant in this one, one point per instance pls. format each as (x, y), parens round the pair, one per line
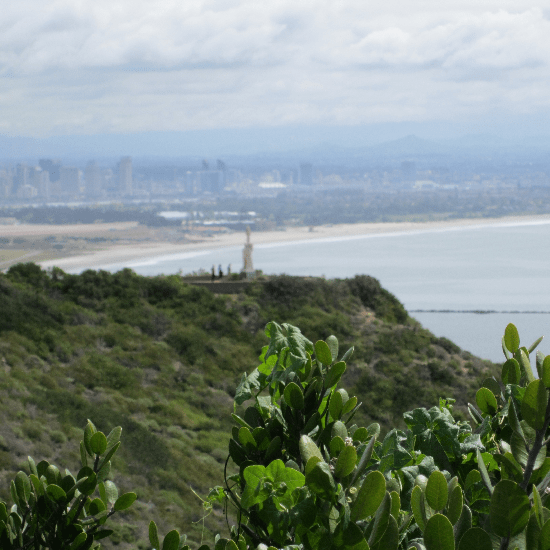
(54, 510)
(311, 479)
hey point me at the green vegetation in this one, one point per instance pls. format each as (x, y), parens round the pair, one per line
(162, 359)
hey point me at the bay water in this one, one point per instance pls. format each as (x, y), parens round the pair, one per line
(502, 268)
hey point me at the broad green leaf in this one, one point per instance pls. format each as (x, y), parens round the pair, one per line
(108, 492)
(346, 462)
(89, 430)
(437, 491)
(546, 371)
(390, 538)
(464, 523)
(349, 405)
(114, 436)
(365, 458)
(438, 534)
(339, 429)
(524, 364)
(56, 492)
(22, 486)
(511, 338)
(332, 342)
(322, 352)
(456, 501)
(124, 501)
(286, 336)
(395, 504)
(334, 374)
(509, 509)
(511, 373)
(336, 405)
(493, 385)
(293, 396)
(311, 463)
(336, 446)
(171, 541)
(308, 449)
(320, 481)
(475, 539)
(98, 443)
(534, 403)
(360, 434)
(486, 401)
(520, 452)
(369, 496)
(96, 506)
(246, 439)
(381, 520)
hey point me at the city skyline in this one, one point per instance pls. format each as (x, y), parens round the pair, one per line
(112, 68)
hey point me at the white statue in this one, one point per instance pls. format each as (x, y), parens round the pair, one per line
(247, 256)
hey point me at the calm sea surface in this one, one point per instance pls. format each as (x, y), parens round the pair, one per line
(504, 267)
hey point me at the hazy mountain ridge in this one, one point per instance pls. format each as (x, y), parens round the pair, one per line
(162, 359)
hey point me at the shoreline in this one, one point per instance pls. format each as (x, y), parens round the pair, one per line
(131, 253)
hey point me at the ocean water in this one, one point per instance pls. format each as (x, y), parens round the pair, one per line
(503, 268)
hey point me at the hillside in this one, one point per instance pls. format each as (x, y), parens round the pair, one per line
(162, 359)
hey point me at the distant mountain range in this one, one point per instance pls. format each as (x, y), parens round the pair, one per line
(284, 146)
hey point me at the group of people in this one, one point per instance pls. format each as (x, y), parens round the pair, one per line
(220, 271)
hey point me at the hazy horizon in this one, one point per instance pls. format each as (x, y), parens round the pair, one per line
(226, 72)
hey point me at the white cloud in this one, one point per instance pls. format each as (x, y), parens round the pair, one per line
(75, 66)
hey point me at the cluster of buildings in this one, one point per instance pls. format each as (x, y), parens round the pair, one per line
(51, 180)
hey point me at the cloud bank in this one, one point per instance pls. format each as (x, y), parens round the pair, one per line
(70, 66)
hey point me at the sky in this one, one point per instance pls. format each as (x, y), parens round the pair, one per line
(74, 67)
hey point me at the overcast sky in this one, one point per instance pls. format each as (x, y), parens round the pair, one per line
(121, 66)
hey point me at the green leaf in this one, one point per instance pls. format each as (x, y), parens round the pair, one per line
(22, 486)
(334, 374)
(98, 443)
(537, 506)
(369, 496)
(509, 509)
(56, 492)
(486, 401)
(511, 338)
(336, 446)
(545, 536)
(124, 501)
(493, 385)
(89, 430)
(339, 429)
(349, 405)
(534, 403)
(438, 534)
(171, 541)
(524, 364)
(418, 507)
(114, 436)
(513, 419)
(437, 491)
(320, 481)
(381, 520)
(346, 462)
(395, 504)
(475, 539)
(532, 347)
(332, 342)
(464, 523)
(247, 440)
(293, 396)
(484, 473)
(323, 353)
(511, 373)
(546, 371)
(336, 405)
(390, 538)
(286, 336)
(456, 501)
(308, 449)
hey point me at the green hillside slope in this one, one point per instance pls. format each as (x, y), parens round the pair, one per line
(162, 359)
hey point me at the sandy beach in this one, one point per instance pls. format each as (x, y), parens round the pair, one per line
(127, 253)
